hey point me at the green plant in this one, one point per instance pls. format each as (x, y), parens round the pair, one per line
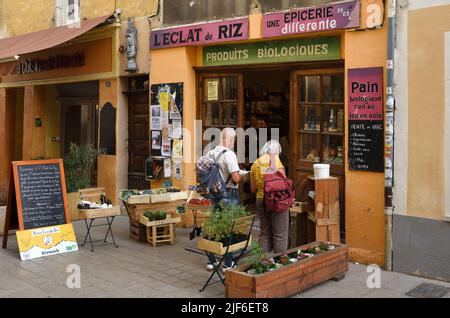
(218, 227)
(150, 216)
(159, 216)
(78, 165)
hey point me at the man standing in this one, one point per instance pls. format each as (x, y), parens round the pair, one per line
(228, 166)
(230, 173)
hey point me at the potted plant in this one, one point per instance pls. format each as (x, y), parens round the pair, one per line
(78, 164)
(217, 235)
(288, 273)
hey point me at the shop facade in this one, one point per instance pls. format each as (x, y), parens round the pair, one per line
(80, 91)
(291, 73)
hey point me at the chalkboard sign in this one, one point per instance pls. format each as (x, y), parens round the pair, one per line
(366, 120)
(37, 195)
(41, 195)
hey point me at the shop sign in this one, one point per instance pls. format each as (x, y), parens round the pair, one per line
(30, 66)
(46, 241)
(366, 120)
(298, 50)
(215, 32)
(313, 19)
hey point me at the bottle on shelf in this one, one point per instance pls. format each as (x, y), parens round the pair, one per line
(332, 125)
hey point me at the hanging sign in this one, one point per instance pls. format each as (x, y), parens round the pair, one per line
(194, 34)
(366, 120)
(298, 50)
(313, 19)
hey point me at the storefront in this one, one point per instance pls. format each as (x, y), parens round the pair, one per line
(59, 95)
(287, 72)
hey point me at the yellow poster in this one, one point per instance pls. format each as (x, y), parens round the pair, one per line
(213, 90)
(164, 101)
(46, 241)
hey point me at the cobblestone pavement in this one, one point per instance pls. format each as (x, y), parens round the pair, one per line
(139, 270)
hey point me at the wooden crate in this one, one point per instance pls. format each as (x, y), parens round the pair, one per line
(288, 280)
(172, 218)
(218, 248)
(323, 210)
(92, 194)
(139, 199)
(98, 213)
(138, 232)
(136, 210)
(157, 198)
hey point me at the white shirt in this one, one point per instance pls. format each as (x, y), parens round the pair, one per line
(228, 164)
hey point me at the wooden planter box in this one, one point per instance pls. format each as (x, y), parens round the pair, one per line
(218, 248)
(288, 280)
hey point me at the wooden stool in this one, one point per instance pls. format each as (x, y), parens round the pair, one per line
(161, 231)
(160, 234)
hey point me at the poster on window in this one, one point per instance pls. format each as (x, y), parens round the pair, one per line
(167, 168)
(156, 117)
(177, 148)
(178, 169)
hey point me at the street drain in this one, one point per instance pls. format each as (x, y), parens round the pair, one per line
(428, 291)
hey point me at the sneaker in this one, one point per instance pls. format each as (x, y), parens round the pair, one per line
(225, 268)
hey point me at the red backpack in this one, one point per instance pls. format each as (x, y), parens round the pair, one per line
(279, 192)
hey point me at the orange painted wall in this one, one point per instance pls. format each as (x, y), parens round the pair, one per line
(364, 191)
(7, 126)
(173, 66)
(33, 137)
(107, 164)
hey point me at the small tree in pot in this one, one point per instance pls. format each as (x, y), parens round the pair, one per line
(78, 164)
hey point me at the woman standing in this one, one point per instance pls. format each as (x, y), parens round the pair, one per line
(274, 226)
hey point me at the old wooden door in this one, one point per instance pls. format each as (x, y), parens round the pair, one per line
(318, 128)
(138, 142)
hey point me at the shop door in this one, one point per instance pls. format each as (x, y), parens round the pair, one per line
(138, 143)
(318, 128)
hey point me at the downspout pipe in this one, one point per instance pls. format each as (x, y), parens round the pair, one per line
(389, 134)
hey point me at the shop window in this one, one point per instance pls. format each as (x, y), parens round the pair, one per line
(67, 12)
(108, 129)
(321, 118)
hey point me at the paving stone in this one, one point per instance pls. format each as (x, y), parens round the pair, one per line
(166, 271)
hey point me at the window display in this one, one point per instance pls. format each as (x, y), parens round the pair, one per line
(322, 118)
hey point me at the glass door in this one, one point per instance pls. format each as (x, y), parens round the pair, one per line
(318, 127)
